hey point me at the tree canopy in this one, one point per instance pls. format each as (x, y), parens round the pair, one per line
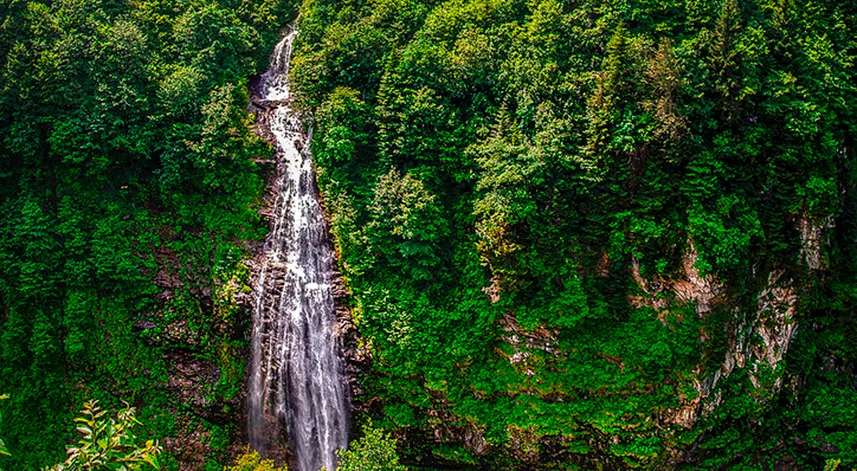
(582, 233)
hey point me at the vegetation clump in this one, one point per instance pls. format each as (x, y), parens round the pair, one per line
(374, 451)
(108, 444)
(252, 461)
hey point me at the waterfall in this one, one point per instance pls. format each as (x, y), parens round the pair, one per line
(297, 381)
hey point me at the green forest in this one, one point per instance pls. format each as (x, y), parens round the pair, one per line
(574, 234)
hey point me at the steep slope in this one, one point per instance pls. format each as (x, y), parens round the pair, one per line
(595, 233)
(127, 184)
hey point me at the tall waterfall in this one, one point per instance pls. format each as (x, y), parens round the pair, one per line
(297, 380)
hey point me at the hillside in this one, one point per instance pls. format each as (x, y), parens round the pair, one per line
(571, 234)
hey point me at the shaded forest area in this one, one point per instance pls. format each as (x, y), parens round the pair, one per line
(127, 183)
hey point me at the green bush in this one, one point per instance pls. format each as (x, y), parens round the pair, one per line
(108, 444)
(374, 451)
(252, 461)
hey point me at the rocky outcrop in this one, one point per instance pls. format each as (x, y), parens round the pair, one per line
(758, 339)
(195, 375)
(813, 235)
(523, 342)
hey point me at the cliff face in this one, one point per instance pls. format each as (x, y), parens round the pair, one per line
(757, 339)
(199, 326)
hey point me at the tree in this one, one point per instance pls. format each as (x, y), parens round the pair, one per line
(407, 224)
(252, 461)
(375, 451)
(108, 444)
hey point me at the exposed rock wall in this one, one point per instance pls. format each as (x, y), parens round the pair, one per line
(758, 339)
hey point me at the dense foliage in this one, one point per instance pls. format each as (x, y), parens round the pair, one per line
(126, 180)
(580, 233)
(3, 449)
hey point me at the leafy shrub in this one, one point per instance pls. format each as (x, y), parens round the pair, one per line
(374, 451)
(109, 444)
(252, 461)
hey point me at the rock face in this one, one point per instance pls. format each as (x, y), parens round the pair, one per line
(191, 382)
(201, 382)
(758, 339)
(813, 235)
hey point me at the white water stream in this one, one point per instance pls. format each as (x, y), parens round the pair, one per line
(297, 383)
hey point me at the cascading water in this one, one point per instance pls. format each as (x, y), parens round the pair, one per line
(297, 378)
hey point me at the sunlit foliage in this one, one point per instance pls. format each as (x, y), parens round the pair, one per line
(252, 461)
(108, 444)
